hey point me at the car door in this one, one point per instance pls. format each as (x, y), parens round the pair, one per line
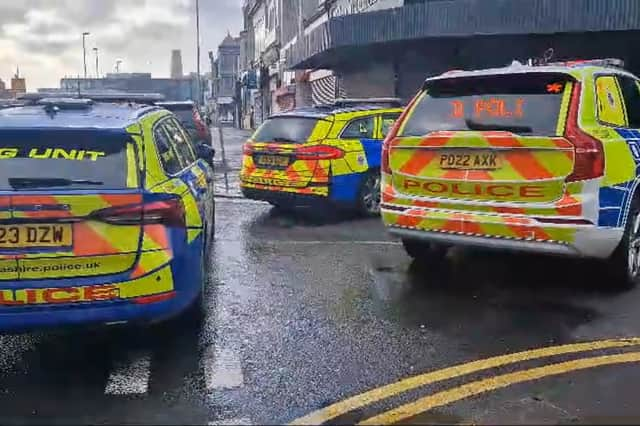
(196, 173)
(627, 127)
(363, 130)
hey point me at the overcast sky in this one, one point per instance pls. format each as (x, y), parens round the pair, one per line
(44, 37)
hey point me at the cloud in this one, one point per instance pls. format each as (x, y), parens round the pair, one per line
(44, 37)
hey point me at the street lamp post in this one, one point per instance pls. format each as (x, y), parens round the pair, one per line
(84, 52)
(200, 91)
(95, 49)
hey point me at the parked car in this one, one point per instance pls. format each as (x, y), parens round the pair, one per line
(191, 118)
(323, 155)
(535, 158)
(91, 233)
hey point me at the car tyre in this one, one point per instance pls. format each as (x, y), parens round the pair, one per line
(625, 261)
(421, 250)
(368, 203)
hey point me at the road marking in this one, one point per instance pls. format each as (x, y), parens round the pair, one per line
(482, 386)
(319, 242)
(232, 422)
(325, 414)
(131, 376)
(222, 368)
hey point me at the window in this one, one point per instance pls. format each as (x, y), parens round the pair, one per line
(181, 142)
(526, 104)
(66, 158)
(286, 130)
(631, 95)
(168, 156)
(610, 109)
(359, 129)
(386, 123)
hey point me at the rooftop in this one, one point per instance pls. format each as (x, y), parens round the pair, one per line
(108, 116)
(324, 111)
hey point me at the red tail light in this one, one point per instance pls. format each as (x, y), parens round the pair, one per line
(166, 212)
(384, 165)
(319, 152)
(200, 126)
(589, 155)
(247, 149)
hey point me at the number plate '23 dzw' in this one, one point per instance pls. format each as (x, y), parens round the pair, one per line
(35, 236)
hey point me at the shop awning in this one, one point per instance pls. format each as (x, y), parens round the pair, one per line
(461, 18)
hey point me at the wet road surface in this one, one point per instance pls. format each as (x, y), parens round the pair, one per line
(304, 313)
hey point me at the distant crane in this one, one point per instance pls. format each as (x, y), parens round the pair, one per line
(118, 62)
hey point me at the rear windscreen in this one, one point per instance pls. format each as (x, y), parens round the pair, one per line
(186, 118)
(286, 130)
(522, 103)
(34, 160)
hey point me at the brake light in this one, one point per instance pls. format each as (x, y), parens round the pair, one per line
(167, 212)
(247, 149)
(200, 126)
(384, 163)
(589, 155)
(319, 152)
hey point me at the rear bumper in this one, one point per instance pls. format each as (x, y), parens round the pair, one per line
(293, 199)
(495, 231)
(16, 319)
(186, 273)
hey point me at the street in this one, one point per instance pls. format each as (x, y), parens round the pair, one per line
(303, 314)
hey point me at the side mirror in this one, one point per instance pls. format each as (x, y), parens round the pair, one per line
(205, 151)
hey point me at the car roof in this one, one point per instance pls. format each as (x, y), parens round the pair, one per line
(165, 104)
(108, 116)
(325, 111)
(577, 71)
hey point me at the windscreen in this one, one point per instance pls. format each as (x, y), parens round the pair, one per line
(286, 130)
(35, 160)
(527, 104)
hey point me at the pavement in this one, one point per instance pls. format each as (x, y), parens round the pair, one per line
(316, 321)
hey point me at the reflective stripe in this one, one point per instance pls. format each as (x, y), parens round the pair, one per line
(132, 169)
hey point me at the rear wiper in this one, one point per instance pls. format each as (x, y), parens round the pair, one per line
(48, 182)
(474, 125)
(286, 140)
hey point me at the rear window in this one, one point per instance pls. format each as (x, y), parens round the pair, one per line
(186, 118)
(286, 129)
(527, 104)
(35, 160)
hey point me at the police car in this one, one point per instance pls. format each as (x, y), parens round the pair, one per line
(106, 214)
(542, 158)
(322, 155)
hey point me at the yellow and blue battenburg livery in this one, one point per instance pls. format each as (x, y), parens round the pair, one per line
(106, 214)
(539, 158)
(323, 154)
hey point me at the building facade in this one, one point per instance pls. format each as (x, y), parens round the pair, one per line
(174, 89)
(389, 48)
(227, 66)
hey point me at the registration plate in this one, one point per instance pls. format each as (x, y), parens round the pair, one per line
(470, 160)
(35, 236)
(272, 160)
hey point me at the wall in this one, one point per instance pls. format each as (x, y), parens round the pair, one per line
(374, 80)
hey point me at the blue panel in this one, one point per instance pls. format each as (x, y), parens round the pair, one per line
(611, 197)
(345, 187)
(609, 217)
(373, 151)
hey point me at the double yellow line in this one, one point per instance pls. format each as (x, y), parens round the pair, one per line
(410, 410)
